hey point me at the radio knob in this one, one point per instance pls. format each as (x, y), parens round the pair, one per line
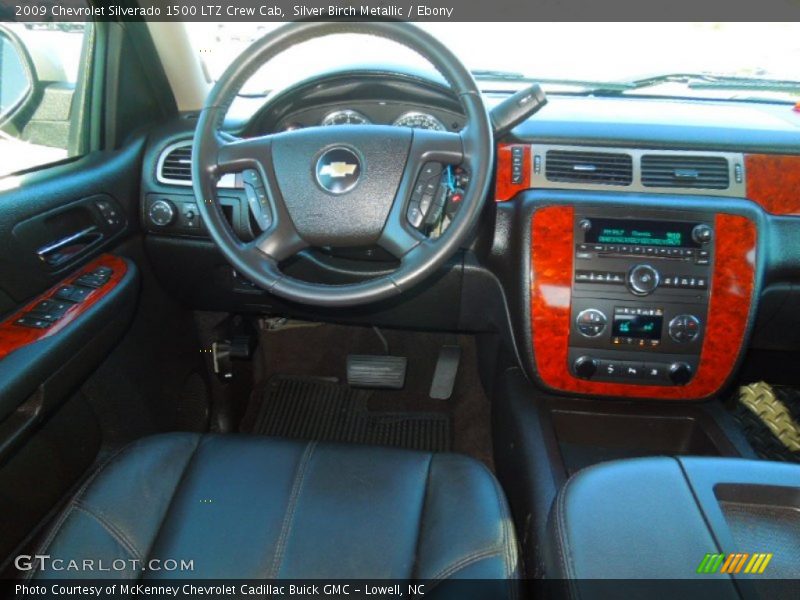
(591, 322)
(161, 213)
(684, 328)
(585, 224)
(680, 373)
(643, 280)
(585, 367)
(702, 233)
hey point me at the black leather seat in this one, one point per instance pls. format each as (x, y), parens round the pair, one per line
(654, 519)
(254, 507)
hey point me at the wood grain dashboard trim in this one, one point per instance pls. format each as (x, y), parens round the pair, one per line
(13, 336)
(504, 189)
(731, 294)
(773, 181)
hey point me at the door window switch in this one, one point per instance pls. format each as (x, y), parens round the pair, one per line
(72, 293)
(92, 281)
(34, 322)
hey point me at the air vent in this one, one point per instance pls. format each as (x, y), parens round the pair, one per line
(175, 165)
(682, 171)
(604, 168)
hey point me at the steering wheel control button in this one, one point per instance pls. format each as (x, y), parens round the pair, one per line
(338, 170)
(591, 322)
(161, 213)
(680, 373)
(585, 367)
(643, 280)
(684, 328)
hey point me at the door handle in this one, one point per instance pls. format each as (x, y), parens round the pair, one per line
(57, 252)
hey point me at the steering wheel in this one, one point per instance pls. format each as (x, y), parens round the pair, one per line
(345, 186)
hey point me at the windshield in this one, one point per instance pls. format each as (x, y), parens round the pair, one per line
(588, 52)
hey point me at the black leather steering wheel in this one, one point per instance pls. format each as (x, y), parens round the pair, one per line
(344, 186)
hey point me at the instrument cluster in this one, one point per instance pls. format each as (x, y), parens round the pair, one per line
(380, 113)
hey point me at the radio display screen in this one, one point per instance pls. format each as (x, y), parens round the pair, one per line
(641, 233)
(647, 327)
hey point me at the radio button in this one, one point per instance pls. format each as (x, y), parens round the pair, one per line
(702, 233)
(655, 371)
(610, 369)
(591, 322)
(643, 280)
(632, 370)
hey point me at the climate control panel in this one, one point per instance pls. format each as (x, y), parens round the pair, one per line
(640, 291)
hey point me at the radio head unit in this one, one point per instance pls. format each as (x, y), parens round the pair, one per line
(641, 233)
(639, 297)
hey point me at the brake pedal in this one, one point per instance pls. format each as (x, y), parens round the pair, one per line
(374, 371)
(444, 377)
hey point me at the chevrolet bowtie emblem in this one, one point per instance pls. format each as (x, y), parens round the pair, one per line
(337, 169)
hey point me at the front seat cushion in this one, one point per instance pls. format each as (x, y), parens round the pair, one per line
(255, 507)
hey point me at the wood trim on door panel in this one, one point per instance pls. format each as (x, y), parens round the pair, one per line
(13, 336)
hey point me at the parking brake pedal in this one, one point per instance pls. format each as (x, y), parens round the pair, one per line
(444, 377)
(222, 352)
(374, 371)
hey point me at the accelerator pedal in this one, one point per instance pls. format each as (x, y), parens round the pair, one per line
(376, 371)
(444, 377)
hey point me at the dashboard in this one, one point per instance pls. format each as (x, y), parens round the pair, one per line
(588, 260)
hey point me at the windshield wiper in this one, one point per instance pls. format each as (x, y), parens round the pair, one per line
(699, 81)
(591, 86)
(708, 81)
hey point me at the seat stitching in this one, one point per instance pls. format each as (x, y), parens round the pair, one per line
(466, 561)
(508, 541)
(200, 441)
(415, 564)
(562, 543)
(112, 530)
(45, 545)
(288, 517)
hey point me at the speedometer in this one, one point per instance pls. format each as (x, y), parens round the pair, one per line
(345, 117)
(419, 120)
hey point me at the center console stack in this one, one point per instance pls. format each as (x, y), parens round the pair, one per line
(640, 294)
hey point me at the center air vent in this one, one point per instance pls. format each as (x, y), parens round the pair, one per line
(682, 171)
(604, 168)
(175, 165)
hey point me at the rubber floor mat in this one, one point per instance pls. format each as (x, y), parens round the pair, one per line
(324, 410)
(769, 418)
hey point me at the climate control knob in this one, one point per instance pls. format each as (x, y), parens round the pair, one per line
(680, 373)
(585, 367)
(161, 212)
(643, 279)
(684, 328)
(591, 322)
